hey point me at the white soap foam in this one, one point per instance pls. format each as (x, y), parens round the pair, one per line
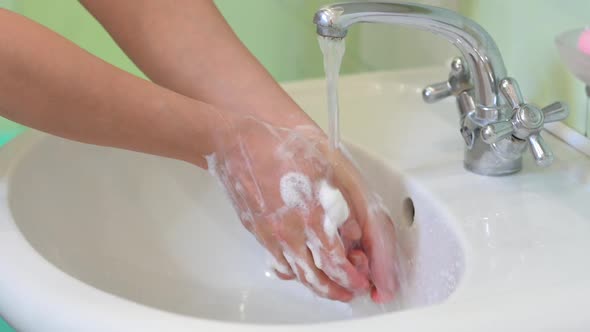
(246, 216)
(291, 262)
(332, 266)
(336, 209)
(338, 275)
(296, 190)
(310, 277)
(315, 246)
(211, 164)
(281, 268)
(221, 181)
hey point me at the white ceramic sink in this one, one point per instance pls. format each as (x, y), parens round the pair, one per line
(98, 239)
(161, 233)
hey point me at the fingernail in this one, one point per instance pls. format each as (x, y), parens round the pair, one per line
(284, 276)
(351, 230)
(360, 261)
(345, 298)
(381, 297)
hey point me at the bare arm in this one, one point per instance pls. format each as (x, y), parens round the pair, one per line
(50, 84)
(188, 47)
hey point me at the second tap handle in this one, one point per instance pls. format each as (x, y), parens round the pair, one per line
(511, 91)
(435, 92)
(494, 132)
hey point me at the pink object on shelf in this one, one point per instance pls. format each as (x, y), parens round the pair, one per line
(584, 42)
(574, 49)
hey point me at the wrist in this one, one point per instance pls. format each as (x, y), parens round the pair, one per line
(286, 114)
(190, 130)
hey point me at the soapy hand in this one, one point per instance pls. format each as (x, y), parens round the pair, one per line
(377, 238)
(291, 192)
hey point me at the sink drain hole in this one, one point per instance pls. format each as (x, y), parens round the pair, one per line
(408, 211)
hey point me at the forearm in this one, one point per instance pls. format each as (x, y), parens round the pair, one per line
(50, 84)
(188, 47)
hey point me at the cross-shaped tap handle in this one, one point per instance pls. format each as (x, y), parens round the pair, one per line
(526, 122)
(457, 83)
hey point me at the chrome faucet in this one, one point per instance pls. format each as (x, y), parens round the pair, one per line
(495, 121)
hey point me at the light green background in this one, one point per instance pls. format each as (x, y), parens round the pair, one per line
(525, 31)
(285, 43)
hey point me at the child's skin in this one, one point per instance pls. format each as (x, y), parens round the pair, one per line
(208, 97)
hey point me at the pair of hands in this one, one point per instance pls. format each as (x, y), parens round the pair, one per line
(309, 207)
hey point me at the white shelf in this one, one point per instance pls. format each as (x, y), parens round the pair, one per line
(570, 136)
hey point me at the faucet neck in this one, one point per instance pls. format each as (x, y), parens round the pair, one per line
(476, 46)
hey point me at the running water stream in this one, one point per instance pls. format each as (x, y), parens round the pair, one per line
(333, 50)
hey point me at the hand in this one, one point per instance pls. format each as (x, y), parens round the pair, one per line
(291, 192)
(373, 248)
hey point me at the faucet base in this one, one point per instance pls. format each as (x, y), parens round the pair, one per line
(488, 159)
(492, 172)
(484, 161)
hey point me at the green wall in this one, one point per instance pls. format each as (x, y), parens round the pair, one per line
(71, 20)
(525, 31)
(285, 41)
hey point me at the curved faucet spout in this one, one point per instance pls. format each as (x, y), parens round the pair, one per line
(476, 45)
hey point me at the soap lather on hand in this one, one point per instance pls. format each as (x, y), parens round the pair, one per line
(308, 206)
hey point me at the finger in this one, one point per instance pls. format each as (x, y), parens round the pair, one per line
(282, 276)
(350, 233)
(351, 230)
(281, 266)
(329, 255)
(379, 244)
(360, 261)
(380, 296)
(333, 262)
(292, 237)
(347, 178)
(308, 274)
(264, 234)
(378, 233)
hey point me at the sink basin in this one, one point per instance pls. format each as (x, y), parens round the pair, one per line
(161, 233)
(100, 239)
